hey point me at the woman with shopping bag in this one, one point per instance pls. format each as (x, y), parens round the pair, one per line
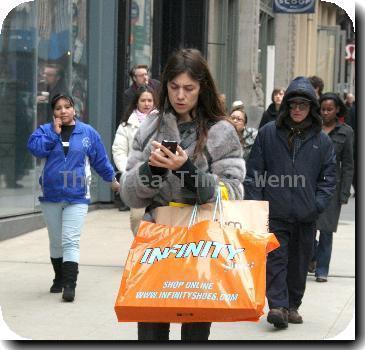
(208, 153)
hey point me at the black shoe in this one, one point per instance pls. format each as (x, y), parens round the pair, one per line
(278, 317)
(321, 279)
(70, 271)
(57, 282)
(312, 266)
(294, 316)
(124, 208)
(68, 292)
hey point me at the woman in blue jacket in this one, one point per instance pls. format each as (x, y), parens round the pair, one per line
(69, 148)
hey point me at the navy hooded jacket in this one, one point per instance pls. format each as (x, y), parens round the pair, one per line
(298, 184)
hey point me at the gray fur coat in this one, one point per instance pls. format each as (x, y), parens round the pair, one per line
(225, 163)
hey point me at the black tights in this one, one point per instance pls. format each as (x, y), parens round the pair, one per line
(198, 331)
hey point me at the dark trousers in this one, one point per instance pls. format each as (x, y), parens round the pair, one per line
(323, 253)
(354, 177)
(160, 331)
(287, 266)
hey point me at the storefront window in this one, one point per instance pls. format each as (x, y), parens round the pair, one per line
(62, 60)
(141, 32)
(43, 51)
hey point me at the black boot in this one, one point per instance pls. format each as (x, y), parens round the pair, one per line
(123, 206)
(70, 271)
(57, 282)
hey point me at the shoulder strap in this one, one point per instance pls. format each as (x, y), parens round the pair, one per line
(209, 158)
(147, 139)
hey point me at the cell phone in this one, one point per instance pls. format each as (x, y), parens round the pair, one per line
(171, 145)
(58, 118)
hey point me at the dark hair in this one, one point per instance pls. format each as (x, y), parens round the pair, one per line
(276, 91)
(209, 108)
(317, 83)
(59, 70)
(337, 101)
(58, 97)
(134, 103)
(132, 71)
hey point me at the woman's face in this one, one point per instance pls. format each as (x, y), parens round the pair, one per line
(145, 102)
(329, 111)
(238, 118)
(64, 110)
(183, 92)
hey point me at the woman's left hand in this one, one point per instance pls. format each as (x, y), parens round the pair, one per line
(115, 186)
(162, 157)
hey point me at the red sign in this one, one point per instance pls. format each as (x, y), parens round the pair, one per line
(350, 52)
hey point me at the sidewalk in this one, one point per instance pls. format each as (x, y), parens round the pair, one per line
(32, 312)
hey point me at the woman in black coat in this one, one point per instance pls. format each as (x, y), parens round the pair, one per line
(342, 137)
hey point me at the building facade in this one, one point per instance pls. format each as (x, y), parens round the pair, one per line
(86, 48)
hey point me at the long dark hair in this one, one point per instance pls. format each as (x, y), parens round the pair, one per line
(133, 105)
(209, 108)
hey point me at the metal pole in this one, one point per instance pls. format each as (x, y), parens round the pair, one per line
(352, 77)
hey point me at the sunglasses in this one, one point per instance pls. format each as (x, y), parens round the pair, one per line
(301, 105)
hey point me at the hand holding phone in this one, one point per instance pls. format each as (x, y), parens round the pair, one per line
(171, 145)
(171, 158)
(57, 124)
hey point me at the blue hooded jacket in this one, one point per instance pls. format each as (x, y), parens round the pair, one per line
(68, 178)
(299, 182)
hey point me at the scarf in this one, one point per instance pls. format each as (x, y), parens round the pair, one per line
(297, 129)
(140, 116)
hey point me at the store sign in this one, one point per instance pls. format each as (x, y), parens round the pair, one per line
(350, 52)
(294, 6)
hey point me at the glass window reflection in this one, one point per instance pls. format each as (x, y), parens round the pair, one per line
(43, 51)
(141, 32)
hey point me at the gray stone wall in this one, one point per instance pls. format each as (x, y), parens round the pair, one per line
(247, 59)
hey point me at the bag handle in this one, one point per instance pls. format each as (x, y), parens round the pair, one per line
(218, 206)
(193, 216)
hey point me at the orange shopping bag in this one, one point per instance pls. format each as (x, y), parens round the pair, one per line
(204, 273)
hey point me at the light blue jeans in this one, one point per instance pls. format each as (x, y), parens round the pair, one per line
(64, 222)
